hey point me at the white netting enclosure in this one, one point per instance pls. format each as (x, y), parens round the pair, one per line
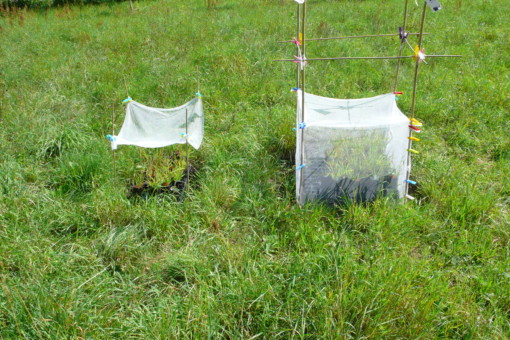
(150, 127)
(350, 149)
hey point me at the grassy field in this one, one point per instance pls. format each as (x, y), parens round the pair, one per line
(238, 258)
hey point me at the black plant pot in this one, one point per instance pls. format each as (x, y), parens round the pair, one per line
(145, 190)
(347, 190)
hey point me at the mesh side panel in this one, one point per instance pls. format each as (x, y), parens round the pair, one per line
(354, 150)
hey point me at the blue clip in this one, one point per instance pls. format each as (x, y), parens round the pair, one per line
(198, 94)
(111, 138)
(293, 129)
(295, 89)
(410, 182)
(301, 125)
(396, 98)
(184, 135)
(127, 100)
(300, 167)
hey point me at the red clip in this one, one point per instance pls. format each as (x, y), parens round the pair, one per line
(414, 128)
(398, 92)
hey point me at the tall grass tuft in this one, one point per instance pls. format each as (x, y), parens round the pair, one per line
(237, 257)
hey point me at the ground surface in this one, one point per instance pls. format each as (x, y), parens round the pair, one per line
(238, 258)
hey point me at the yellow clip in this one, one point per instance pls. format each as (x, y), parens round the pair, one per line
(415, 122)
(414, 138)
(301, 38)
(413, 151)
(416, 51)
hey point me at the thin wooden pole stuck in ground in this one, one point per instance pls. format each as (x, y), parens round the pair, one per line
(125, 85)
(415, 86)
(113, 135)
(298, 20)
(187, 152)
(402, 41)
(302, 118)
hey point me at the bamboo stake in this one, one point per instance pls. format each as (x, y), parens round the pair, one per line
(297, 37)
(303, 83)
(352, 37)
(113, 134)
(198, 83)
(125, 84)
(131, 5)
(413, 101)
(395, 57)
(187, 152)
(401, 46)
(420, 39)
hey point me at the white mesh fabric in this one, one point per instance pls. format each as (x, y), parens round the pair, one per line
(150, 127)
(353, 149)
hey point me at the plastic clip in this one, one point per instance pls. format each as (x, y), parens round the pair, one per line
(413, 139)
(300, 60)
(419, 54)
(184, 135)
(413, 151)
(415, 122)
(296, 42)
(411, 182)
(127, 100)
(414, 128)
(398, 93)
(294, 89)
(300, 167)
(402, 34)
(301, 125)
(113, 141)
(409, 197)
(199, 94)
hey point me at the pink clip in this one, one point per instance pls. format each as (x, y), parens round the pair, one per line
(296, 42)
(299, 60)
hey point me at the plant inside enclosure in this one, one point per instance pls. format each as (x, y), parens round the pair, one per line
(159, 168)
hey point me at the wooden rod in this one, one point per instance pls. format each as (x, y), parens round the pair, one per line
(396, 57)
(187, 151)
(401, 46)
(298, 18)
(420, 40)
(352, 37)
(413, 102)
(125, 85)
(422, 24)
(198, 83)
(303, 88)
(113, 135)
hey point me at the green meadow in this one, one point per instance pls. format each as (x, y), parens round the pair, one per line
(236, 257)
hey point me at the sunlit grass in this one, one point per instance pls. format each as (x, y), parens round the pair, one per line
(237, 258)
